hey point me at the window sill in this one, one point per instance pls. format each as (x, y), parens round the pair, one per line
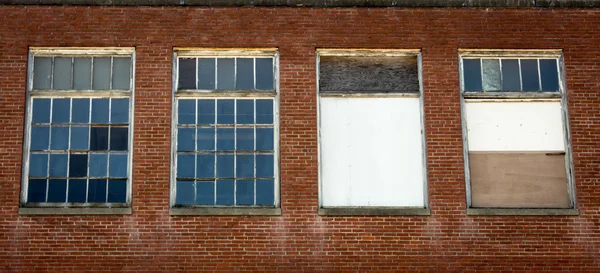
(523, 212)
(224, 211)
(357, 211)
(74, 211)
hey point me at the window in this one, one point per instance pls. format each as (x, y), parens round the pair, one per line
(225, 145)
(78, 136)
(371, 132)
(515, 121)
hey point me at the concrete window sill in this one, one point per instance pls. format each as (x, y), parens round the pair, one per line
(224, 211)
(382, 211)
(524, 212)
(74, 211)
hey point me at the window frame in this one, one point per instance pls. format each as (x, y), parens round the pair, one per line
(375, 210)
(184, 52)
(67, 208)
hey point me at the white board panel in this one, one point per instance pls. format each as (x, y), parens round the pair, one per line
(371, 152)
(515, 126)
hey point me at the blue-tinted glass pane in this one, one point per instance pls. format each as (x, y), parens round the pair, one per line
(185, 165)
(225, 192)
(225, 73)
(549, 73)
(264, 73)
(225, 139)
(61, 109)
(117, 191)
(118, 138)
(38, 165)
(245, 74)
(81, 111)
(472, 75)
(186, 112)
(41, 111)
(225, 166)
(206, 111)
(244, 166)
(529, 75)
(187, 74)
(244, 192)
(185, 193)
(225, 111)
(245, 139)
(119, 111)
(57, 190)
(206, 139)
(78, 165)
(265, 192)
(245, 112)
(80, 137)
(186, 139)
(206, 73)
(511, 75)
(77, 190)
(98, 165)
(117, 165)
(99, 139)
(97, 191)
(264, 166)
(36, 190)
(58, 165)
(205, 193)
(264, 111)
(100, 111)
(264, 139)
(40, 137)
(205, 166)
(60, 138)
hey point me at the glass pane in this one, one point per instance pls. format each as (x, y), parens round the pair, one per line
(185, 193)
(41, 111)
(78, 165)
(61, 109)
(58, 165)
(99, 139)
(245, 74)
(121, 73)
(186, 139)
(36, 190)
(264, 166)
(245, 112)
(185, 165)
(206, 111)
(81, 111)
(77, 189)
(225, 139)
(100, 111)
(264, 139)
(472, 75)
(529, 75)
(549, 73)
(98, 165)
(264, 111)
(511, 75)
(265, 192)
(186, 112)
(187, 74)
(225, 166)
(38, 165)
(206, 139)
(225, 110)
(80, 137)
(244, 192)
(117, 165)
(225, 192)
(57, 190)
(117, 191)
(245, 139)
(60, 138)
(491, 75)
(97, 191)
(205, 166)
(205, 193)
(206, 73)
(101, 74)
(42, 72)
(225, 73)
(118, 139)
(40, 137)
(264, 73)
(62, 73)
(244, 166)
(82, 73)
(119, 111)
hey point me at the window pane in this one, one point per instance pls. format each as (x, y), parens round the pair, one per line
(57, 190)
(491, 75)
(77, 189)
(97, 191)
(98, 165)
(205, 193)
(264, 111)
(117, 191)
(100, 111)
(206, 73)
(60, 138)
(101, 74)
(99, 139)
(225, 192)
(511, 75)
(225, 111)
(82, 73)
(264, 139)
(549, 73)
(38, 165)
(121, 73)
(36, 190)
(185, 193)
(119, 111)
(225, 73)
(41, 111)
(245, 139)
(80, 137)
(185, 165)
(78, 165)
(529, 74)
(265, 192)
(264, 74)
(186, 139)
(40, 137)
(206, 139)
(225, 139)
(61, 110)
(245, 112)
(187, 74)
(244, 166)
(244, 192)
(117, 165)
(472, 75)
(62, 73)
(205, 166)
(206, 111)
(81, 111)
(118, 138)
(245, 74)
(186, 112)
(58, 165)
(264, 166)
(42, 72)
(225, 166)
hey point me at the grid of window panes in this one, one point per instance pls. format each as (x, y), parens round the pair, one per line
(227, 73)
(511, 74)
(225, 152)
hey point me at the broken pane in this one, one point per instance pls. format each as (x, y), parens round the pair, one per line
(491, 75)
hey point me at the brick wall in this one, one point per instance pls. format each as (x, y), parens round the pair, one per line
(149, 240)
